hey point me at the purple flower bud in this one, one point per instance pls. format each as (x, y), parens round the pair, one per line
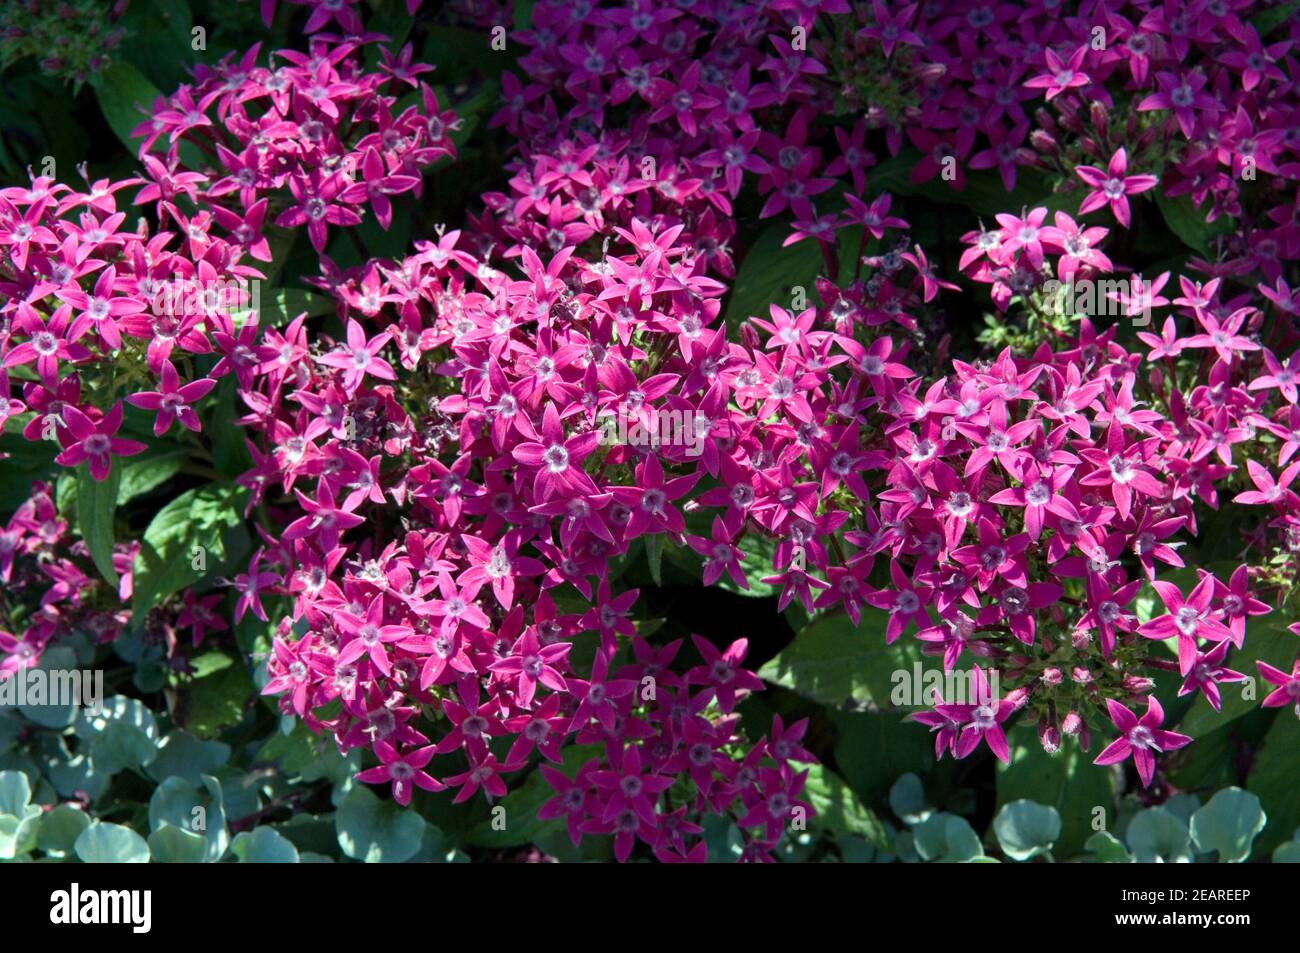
(1100, 117)
(1049, 736)
(1018, 696)
(1072, 724)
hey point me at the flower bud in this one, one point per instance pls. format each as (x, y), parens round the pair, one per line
(1138, 685)
(1052, 676)
(1018, 696)
(1100, 117)
(1156, 379)
(1072, 724)
(1049, 736)
(1081, 675)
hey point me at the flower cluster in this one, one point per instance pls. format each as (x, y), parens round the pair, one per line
(443, 519)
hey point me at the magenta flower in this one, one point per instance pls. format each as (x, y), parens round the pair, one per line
(173, 401)
(47, 344)
(1208, 672)
(368, 635)
(405, 771)
(1186, 619)
(1026, 234)
(100, 309)
(558, 460)
(1113, 187)
(628, 788)
(317, 206)
(484, 772)
(1288, 686)
(650, 500)
(905, 604)
(1061, 74)
(720, 555)
(322, 518)
(498, 565)
(981, 719)
(531, 663)
(1282, 376)
(250, 586)
(723, 673)
(1140, 738)
(94, 442)
(1270, 492)
(574, 799)
(360, 357)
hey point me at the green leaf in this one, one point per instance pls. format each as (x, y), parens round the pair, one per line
(832, 661)
(216, 697)
(60, 828)
(19, 818)
(1188, 222)
(263, 846)
(59, 664)
(181, 804)
(283, 305)
(375, 831)
(15, 792)
(907, 800)
(124, 734)
(1266, 21)
(873, 749)
(1272, 779)
(111, 844)
(769, 273)
(1108, 848)
(123, 93)
(96, 502)
(24, 462)
(170, 844)
(1228, 825)
(1156, 836)
(654, 552)
(1067, 781)
(947, 839)
(182, 755)
(523, 18)
(195, 536)
(148, 471)
(1267, 638)
(1288, 853)
(839, 810)
(722, 839)
(1025, 829)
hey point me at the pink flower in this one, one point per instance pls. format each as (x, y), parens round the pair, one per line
(1061, 74)
(406, 771)
(1288, 686)
(1139, 738)
(981, 719)
(84, 439)
(1113, 187)
(1187, 619)
(173, 401)
(532, 663)
(360, 357)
